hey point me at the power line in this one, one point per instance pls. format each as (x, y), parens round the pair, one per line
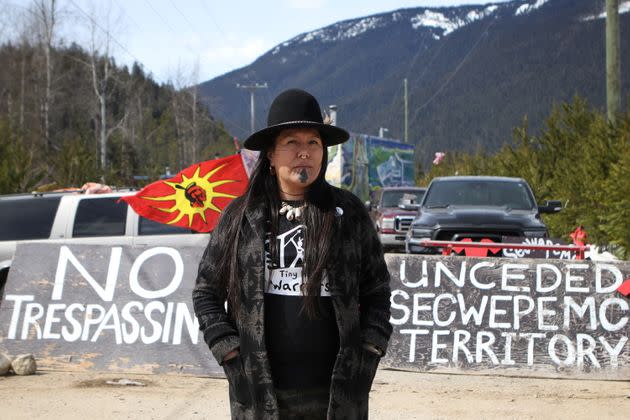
(459, 66)
(106, 32)
(266, 93)
(188, 21)
(161, 17)
(191, 26)
(128, 16)
(182, 14)
(221, 31)
(170, 28)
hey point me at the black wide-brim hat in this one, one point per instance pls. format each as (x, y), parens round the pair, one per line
(295, 108)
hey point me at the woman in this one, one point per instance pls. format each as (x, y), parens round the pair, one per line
(302, 270)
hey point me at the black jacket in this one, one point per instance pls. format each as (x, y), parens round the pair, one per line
(360, 295)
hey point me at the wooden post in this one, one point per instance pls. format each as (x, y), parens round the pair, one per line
(613, 66)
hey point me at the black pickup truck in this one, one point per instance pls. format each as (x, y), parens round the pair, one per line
(473, 208)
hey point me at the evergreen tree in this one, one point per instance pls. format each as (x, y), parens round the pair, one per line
(18, 171)
(616, 191)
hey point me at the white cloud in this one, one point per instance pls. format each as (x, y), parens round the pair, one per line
(215, 55)
(243, 51)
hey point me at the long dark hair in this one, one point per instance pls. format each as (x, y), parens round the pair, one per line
(319, 218)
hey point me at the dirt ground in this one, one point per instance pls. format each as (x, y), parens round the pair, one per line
(395, 395)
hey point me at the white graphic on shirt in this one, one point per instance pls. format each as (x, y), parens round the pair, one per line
(287, 278)
(291, 239)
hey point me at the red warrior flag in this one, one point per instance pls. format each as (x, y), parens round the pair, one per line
(195, 197)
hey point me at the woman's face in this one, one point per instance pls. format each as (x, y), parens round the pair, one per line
(296, 157)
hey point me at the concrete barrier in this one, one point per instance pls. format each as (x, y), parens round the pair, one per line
(122, 309)
(529, 317)
(129, 309)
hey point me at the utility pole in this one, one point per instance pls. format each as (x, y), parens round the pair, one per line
(406, 113)
(252, 87)
(613, 66)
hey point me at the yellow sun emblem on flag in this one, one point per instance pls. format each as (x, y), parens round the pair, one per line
(193, 196)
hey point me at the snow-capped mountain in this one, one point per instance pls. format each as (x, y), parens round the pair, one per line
(474, 72)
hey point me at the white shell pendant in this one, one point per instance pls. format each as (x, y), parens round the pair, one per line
(291, 212)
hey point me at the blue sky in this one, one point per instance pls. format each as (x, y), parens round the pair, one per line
(173, 37)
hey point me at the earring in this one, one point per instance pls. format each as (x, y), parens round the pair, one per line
(272, 170)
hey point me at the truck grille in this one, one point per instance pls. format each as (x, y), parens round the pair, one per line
(457, 235)
(402, 223)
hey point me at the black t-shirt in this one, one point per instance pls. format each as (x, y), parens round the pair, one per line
(301, 351)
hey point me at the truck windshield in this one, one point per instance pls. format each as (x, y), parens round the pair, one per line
(392, 198)
(513, 195)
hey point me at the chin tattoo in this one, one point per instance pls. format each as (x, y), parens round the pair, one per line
(303, 176)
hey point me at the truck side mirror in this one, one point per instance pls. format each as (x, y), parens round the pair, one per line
(551, 206)
(408, 202)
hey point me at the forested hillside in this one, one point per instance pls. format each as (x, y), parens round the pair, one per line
(57, 113)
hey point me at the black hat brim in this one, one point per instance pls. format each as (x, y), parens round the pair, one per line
(263, 139)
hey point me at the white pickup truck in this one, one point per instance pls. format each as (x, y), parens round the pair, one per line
(80, 219)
